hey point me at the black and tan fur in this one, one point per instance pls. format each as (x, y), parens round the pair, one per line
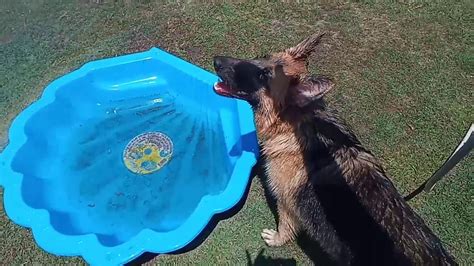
(325, 182)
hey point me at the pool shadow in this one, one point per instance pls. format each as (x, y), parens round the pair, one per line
(146, 257)
(248, 143)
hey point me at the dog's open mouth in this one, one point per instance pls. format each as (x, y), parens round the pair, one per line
(224, 89)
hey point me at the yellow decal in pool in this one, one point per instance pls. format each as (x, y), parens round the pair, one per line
(148, 153)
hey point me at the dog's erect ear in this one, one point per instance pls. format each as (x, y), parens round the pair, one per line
(302, 50)
(310, 89)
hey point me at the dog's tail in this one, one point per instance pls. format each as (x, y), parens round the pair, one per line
(462, 150)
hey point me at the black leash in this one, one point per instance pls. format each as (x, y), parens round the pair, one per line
(462, 150)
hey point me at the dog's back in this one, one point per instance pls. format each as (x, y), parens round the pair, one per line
(361, 203)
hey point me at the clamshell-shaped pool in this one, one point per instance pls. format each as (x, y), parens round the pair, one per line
(126, 155)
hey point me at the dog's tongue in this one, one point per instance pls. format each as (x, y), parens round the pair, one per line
(221, 88)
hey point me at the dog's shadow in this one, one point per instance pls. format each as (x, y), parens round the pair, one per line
(311, 248)
(264, 260)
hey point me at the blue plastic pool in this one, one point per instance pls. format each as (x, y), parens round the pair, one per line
(78, 170)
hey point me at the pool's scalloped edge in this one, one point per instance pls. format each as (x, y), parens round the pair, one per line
(146, 240)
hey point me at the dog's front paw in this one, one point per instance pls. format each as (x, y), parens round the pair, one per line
(271, 238)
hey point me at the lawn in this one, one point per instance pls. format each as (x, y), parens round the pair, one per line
(404, 81)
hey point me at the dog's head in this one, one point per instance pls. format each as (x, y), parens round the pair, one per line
(280, 79)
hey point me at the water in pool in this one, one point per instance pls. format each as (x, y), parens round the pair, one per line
(115, 203)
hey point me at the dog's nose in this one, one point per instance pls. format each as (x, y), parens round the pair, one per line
(218, 62)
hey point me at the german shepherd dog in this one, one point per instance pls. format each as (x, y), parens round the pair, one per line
(325, 182)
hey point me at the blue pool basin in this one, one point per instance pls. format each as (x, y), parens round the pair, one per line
(78, 171)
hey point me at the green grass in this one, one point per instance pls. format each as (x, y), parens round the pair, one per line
(403, 73)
